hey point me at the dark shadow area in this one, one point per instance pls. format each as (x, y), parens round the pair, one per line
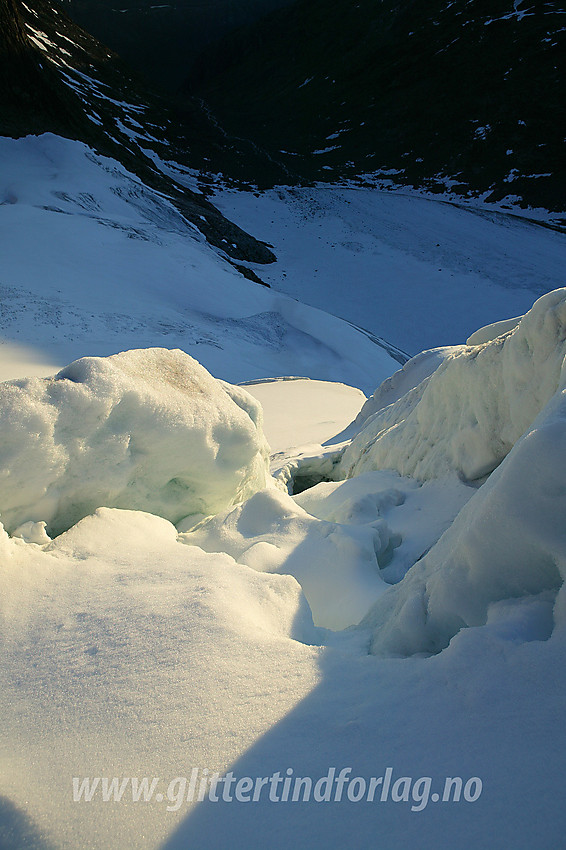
(162, 40)
(17, 830)
(420, 718)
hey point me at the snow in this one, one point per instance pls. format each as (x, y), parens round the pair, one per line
(492, 331)
(147, 430)
(405, 621)
(417, 271)
(119, 644)
(337, 567)
(414, 372)
(507, 544)
(312, 411)
(94, 263)
(409, 517)
(327, 150)
(17, 360)
(468, 415)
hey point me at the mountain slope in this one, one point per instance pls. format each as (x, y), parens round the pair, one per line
(95, 262)
(160, 39)
(464, 94)
(31, 97)
(57, 78)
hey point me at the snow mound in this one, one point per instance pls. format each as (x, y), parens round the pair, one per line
(146, 430)
(238, 600)
(337, 566)
(507, 543)
(416, 514)
(469, 413)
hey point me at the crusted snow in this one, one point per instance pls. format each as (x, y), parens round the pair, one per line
(468, 415)
(147, 430)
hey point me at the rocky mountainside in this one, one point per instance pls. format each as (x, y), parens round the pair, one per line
(441, 95)
(459, 94)
(160, 40)
(55, 77)
(31, 95)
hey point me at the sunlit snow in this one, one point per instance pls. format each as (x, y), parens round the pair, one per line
(381, 597)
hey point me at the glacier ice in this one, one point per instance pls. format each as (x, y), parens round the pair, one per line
(146, 430)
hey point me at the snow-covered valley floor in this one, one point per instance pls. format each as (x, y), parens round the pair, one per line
(312, 669)
(419, 272)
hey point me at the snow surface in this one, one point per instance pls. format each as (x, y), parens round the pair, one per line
(148, 430)
(414, 372)
(312, 411)
(336, 566)
(508, 543)
(94, 262)
(468, 415)
(119, 644)
(419, 272)
(132, 648)
(492, 331)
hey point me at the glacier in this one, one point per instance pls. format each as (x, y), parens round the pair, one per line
(168, 604)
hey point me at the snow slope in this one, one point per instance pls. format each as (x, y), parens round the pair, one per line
(94, 262)
(417, 271)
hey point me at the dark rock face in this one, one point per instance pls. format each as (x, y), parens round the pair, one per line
(55, 77)
(31, 98)
(459, 94)
(161, 40)
(467, 93)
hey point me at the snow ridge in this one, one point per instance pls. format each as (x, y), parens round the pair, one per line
(468, 415)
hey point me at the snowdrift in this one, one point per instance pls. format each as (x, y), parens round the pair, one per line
(414, 372)
(469, 413)
(336, 565)
(497, 406)
(146, 430)
(507, 543)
